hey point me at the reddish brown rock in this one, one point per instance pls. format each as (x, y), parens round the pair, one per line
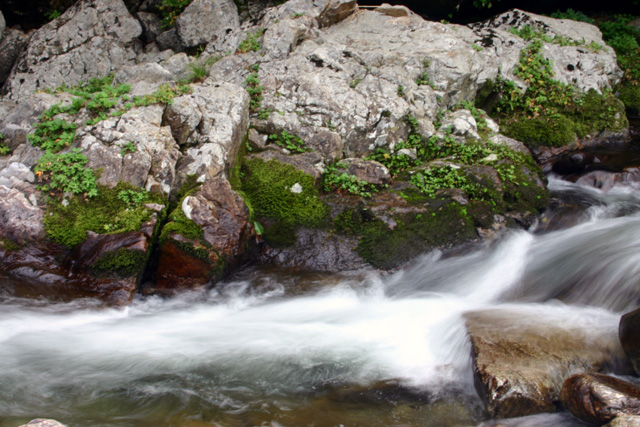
(598, 399)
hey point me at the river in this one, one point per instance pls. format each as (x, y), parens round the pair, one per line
(276, 348)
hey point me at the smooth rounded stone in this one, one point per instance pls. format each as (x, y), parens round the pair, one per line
(519, 369)
(393, 10)
(605, 180)
(41, 422)
(598, 399)
(629, 334)
(625, 421)
(309, 163)
(20, 219)
(368, 170)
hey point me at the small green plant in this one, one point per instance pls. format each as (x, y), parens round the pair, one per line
(127, 148)
(254, 88)
(355, 82)
(293, 143)
(52, 134)
(424, 79)
(133, 198)
(4, 150)
(163, 95)
(251, 43)
(400, 91)
(198, 72)
(342, 182)
(477, 48)
(66, 173)
(170, 10)
(53, 14)
(483, 4)
(431, 180)
(264, 113)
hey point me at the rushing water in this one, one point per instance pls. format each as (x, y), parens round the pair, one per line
(281, 349)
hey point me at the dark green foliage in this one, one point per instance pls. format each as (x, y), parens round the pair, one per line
(4, 150)
(66, 173)
(127, 148)
(415, 235)
(170, 10)
(104, 213)
(630, 96)
(121, 263)
(163, 95)
(433, 179)
(293, 143)
(554, 131)
(623, 38)
(52, 135)
(8, 244)
(575, 15)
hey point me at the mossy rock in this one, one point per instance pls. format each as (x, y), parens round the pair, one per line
(415, 234)
(630, 96)
(104, 213)
(554, 131)
(597, 113)
(121, 263)
(283, 196)
(524, 194)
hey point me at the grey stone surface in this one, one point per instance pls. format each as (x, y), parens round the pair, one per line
(203, 20)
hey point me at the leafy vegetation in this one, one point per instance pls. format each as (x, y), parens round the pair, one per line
(66, 173)
(127, 148)
(4, 150)
(254, 88)
(423, 78)
(293, 143)
(334, 180)
(575, 15)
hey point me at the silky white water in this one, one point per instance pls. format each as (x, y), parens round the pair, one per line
(258, 346)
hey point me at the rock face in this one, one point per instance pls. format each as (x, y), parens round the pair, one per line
(598, 399)
(11, 44)
(65, 50)
(519, 370)
(204, 20)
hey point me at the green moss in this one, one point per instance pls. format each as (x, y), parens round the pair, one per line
(555, 131)
(104, 213)
(598, 112)
(8, 244)
(630, 96)
(521, 194)
(415, 234)
(177, 221)
(268, 187)
(122, 263)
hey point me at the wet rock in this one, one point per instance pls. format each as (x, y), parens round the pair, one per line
(202, 20)
(187, 261)
(521, 359)
(316, 250)
(11, 45)
(598, 399)
(41, 422)
(629, 334)
(65, 50)
(605, 180)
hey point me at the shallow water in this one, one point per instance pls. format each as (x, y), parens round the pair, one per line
(275, 348)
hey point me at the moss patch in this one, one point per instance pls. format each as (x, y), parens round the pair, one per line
(554, 131)
(284, 196)
(415, 234)
(8, 244)
(122, 263)
(104, 213)
(630, 96)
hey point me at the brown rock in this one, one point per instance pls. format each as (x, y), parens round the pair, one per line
(629, 334)
(625, 421)
(598, 399)
(521, 360)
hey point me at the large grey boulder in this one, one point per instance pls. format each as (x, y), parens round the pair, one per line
(203, 20)
(91, 39)
(3, 25)
(11, 45)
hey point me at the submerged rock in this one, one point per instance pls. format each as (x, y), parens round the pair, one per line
(41, 422)
(598, 399)
(629, 333)
(520, 359)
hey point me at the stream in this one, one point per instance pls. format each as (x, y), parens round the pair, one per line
(274, 348)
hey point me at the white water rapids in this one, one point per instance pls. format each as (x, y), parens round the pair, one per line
(260, 346)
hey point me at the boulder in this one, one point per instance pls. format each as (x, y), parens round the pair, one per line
(203, 20)
(194, 258)
(65, 50)
(598, 399)
(521, 358)
(629, 334)
(625, 421)
(605, 180)
(20, 216)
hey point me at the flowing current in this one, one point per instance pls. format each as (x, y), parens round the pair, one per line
(282, 349)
